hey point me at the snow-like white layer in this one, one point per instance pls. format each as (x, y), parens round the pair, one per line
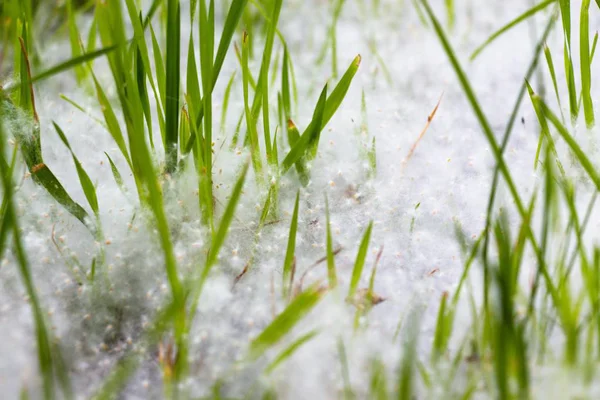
(449, 176)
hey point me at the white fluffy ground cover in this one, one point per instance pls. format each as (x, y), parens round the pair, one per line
(448, 177)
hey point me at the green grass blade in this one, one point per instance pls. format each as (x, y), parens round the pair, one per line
(116, 174)
(226, 96)
(575, 148)
(585, 63)
(172, 85)
(285, 322)
(293, 136)
(309, 139)
(84, 179)
(65, 66)
(331, 273)
(359, 263)
(552, 71)
(290, 350)
(219, 238)
(291, 249)
(526, 15)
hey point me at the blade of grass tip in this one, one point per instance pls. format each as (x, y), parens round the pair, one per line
(526, 15)
(331, 272)
(552, 71)
(291, 249)
(84, 179)
(585, 63)
(284, 322)
(65, 66)
(172, 86)
(218, 239)
(83, 110)
(360, 261)
(290, 350)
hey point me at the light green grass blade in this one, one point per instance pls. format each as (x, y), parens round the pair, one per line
(526, 15)
(552, 71)
(116, 174)
(585, 63)
(218, 239)
(285, 322)
(172, 86)
(406, 372)
(65, 66)
(291, 249)
(112, 122)
(75, 40)
(290, 350)
(84, 179)
(573, 145)
(359, 263)
(226, 97)
(331, 273)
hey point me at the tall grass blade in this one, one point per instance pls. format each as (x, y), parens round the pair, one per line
(172, 85)
(585, 63)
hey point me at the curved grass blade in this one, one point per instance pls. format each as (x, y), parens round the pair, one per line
(84, 179)
(290, 350)
(285, 322)
(526, 15)
(65, 66)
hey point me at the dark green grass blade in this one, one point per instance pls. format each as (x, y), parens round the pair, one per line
(285, 322)
(291, 249)
(359, 263)
(172, 86)
(526, 15)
